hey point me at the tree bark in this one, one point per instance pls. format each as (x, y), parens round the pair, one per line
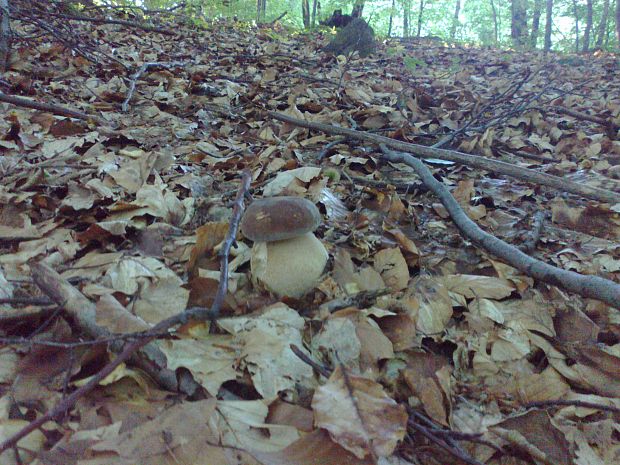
(618, 22)
(305, 13)
(261, 8)
(576, 25)
(315, 6)
(602, 26)
(518, 23)
(548, 25)
(455, 19)
(5, 35)
(419, 31)
(587, 32)
(391, 17)
(406, 17)
(535, 23)
(495, 25)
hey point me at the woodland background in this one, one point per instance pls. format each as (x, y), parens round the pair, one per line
(566, 25)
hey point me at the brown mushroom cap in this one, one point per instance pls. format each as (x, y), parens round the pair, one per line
(279, 218)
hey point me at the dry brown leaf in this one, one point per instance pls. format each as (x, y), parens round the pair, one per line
(359, 415)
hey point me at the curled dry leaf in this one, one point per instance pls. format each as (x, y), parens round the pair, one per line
(359, 415)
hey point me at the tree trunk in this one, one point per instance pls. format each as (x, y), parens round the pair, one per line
(5, 35)
(406, 17)
(602, 26)
(261, 8)
(618, 22)
(455, 19)
(586, 34)
(305, 13)
(535, 23)
(518, 23)
(392, 10)
(495, 25)
(315, 6)
(420, 18)
(548, 25)
(576, 26)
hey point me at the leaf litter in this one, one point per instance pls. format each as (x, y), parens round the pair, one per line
(417, 345)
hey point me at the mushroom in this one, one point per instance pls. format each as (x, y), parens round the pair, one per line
(287, 258)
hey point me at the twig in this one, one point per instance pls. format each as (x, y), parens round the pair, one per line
(121, 22)
(587, 286)
(426, 432)
(26, 301)
(530, 244)
(140, 72)
(576, 403)
(48, 107)
(323, 371)
(458, 157)
(131, 348)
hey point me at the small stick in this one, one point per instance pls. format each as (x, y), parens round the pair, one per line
(48, 107)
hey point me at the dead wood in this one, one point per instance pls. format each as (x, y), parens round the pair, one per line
(496, 166)
(593, 287)
(51, 108)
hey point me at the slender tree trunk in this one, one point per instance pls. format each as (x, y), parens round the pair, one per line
(315, 3)
(548, 25)
(392, 10)
(455, 19)
(261, 8)
(535, 23)
(587, 32)
(305, 13)
(575, 12)
(518, 25)
(602, 26)
(5, 35)
(420, 18)
(618, 22)
(495, 24)
(406, 18)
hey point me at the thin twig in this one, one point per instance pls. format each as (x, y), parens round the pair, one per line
(50, 108)
(324, 371)
(576, 403)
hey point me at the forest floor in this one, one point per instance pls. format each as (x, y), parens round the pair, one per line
(418, 344)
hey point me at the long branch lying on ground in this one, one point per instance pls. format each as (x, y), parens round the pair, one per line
(475, 161)
(593, 287)
(587, 286)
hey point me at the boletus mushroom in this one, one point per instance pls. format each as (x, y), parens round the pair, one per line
(287, 258)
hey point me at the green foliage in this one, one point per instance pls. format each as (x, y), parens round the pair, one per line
(475, 22)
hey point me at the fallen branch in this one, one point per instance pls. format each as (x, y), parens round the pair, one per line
(495, 166)
(121, 22)
(140, 72)
(197, 313)
(611, 127)
(575, 403)
(587, 286)
(50, 108)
